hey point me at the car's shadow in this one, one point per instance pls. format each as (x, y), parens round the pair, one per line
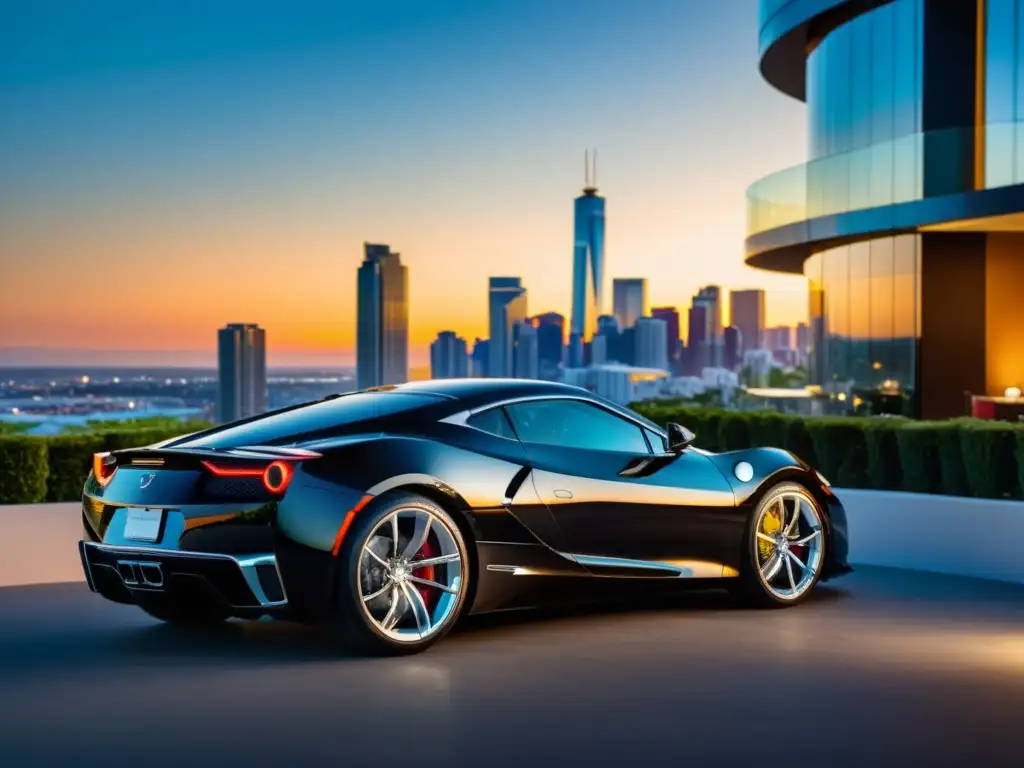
(96, 648)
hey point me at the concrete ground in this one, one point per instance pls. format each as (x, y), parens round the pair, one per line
(883, 667)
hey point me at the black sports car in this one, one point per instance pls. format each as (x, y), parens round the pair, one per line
(390, 512)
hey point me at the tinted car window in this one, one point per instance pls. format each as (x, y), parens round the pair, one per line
(293, 422)
(493, 421)
(657, 441)
(575, 424)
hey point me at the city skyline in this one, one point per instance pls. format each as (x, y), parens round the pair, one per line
(221, 168)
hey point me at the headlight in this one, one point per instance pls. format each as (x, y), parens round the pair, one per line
(821, 477)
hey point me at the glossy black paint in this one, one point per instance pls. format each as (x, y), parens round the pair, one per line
(529, 510)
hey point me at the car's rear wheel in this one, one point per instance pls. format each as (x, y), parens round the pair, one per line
(402, 576)
(199, 613)
(784, 548)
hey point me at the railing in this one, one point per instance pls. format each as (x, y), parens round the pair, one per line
(882, 174)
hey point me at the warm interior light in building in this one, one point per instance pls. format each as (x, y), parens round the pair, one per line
(877, 365)
(1013, 393)
(841, 397)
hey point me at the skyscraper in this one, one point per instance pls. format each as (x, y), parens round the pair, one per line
(732, 346)
(803, 338)
(507, 306)
(673, 345)
(481, 359)
(697, 335)
(629, 300)
(448, 357)
(588, 256)
(241, 371)
(746, 313)
(525, 355)
(550, 344)
(382, 322)
(710, 297)
(651, 347)
(780, 337)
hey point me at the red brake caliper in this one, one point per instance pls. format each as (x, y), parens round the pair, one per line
(429, 594)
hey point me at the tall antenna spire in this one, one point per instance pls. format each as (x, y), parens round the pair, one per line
(589, 172)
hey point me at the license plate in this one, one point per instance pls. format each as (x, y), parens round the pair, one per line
(143, 524)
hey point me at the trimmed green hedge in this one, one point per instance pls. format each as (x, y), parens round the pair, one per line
(960, 457)
(23, 469)
(36, 469)
(957, 457)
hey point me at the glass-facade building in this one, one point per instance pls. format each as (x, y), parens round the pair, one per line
(908, 217)
(587, 267)
(241, 372)
(382, 318)
(506, 303)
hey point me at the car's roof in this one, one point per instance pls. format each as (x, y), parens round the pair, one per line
(489, 389)
(476, 393)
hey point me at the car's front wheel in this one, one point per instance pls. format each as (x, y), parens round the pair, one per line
(784, 548)
(402, 576)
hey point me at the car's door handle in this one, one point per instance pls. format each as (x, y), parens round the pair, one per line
(561, 493)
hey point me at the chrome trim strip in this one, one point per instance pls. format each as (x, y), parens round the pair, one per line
(298, 453)
(684, 569)
(519, 570)
(514, 543)
(247, 565)
(680, 569)
(88, 568)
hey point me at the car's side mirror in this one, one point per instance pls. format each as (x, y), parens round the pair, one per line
(679, 438)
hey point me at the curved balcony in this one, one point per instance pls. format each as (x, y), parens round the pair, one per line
(787, 27)
(881, 189)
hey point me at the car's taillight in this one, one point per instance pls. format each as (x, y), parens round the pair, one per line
(103, 467)
(275, 476)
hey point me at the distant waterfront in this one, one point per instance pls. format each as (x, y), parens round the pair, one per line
(55, 399)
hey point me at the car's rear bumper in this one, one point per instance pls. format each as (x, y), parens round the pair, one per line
(246, 586)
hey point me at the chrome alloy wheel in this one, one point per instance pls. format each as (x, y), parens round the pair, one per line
(790, 544)
(411, 569)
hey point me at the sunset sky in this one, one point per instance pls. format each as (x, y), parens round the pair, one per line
(166, 168)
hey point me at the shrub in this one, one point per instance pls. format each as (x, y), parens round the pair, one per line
(841, 450)
(734, 432)
(712, 427)
(1020, 460)
(918, 444)
(70, 459)
(798, 440)
(951, 459)
(137, 438)
(23, 469)
(768, 430)
(988, 450)
(884, 469)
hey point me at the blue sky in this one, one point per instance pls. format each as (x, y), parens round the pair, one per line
(189, 150)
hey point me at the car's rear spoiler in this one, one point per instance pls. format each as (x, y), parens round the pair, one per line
(250, 453)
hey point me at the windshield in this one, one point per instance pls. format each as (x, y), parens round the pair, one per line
(302, 421)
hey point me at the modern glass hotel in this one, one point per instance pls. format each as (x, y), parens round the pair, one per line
(908, 218)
